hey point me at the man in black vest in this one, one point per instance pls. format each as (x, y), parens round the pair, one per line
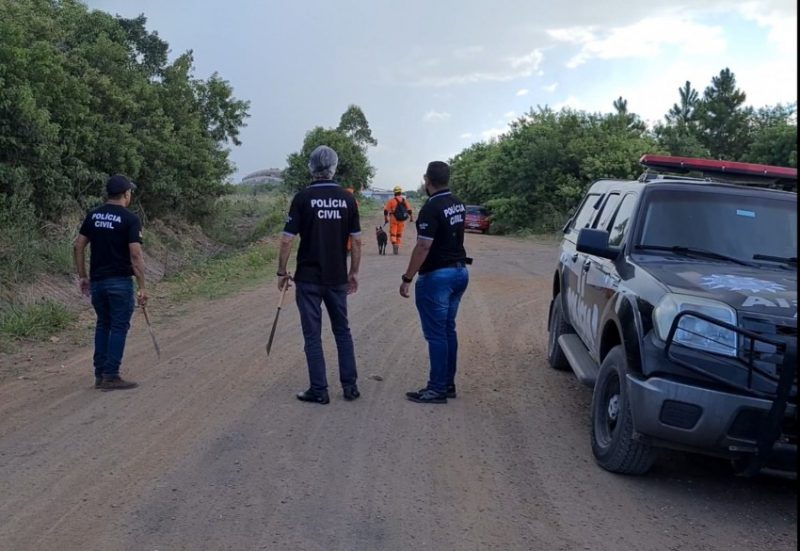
(325, 216)
(441, 261)
(115, 236)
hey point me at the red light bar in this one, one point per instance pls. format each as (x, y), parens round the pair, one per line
(668, 162)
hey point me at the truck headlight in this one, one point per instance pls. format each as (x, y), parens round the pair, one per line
(695, 332)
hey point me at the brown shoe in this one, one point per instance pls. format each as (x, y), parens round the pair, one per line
(117, 383)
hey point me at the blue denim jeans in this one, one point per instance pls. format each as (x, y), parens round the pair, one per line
(438, 294)
(309, 299)
(113, 302)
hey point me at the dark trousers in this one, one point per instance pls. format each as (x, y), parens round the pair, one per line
(113, 303)
(309, 298)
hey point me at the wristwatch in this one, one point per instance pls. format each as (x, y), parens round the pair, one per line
(279, 274)
(407, 279)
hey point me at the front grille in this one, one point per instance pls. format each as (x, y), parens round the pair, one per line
(749, 422)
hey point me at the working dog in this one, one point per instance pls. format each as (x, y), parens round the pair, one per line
(382, 239)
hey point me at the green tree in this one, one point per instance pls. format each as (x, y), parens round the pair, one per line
(353, 169)
(84, 94)
(353, 124)
(774, 136)
(537, 171)
(685, 112)
(723, 121)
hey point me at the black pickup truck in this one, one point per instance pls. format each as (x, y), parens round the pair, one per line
(675, 299)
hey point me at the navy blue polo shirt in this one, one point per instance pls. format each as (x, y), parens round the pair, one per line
(441, 220)
(324, 215)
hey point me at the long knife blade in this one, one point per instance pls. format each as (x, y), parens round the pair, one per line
(275, 322)
(152, 334)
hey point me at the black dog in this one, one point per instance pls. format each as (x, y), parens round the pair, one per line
(382, 239)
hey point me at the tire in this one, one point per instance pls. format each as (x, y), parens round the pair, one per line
(613, 443)
(558, 326)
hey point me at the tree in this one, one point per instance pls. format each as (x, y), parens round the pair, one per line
(625, 118)
(84, 94)
(535, 173)
(685, 112)
(679, 135)
(723, 121)
(774, 136)
(353, 169)
(354, 125)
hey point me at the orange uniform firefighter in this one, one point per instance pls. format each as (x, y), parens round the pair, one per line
(396, 212)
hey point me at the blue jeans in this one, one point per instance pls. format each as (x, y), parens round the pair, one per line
(310, 297)
(438, 294)
(113, 302)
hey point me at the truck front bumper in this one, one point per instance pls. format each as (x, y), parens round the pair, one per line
(702, 419)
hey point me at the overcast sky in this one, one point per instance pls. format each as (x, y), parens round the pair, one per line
(435, 76)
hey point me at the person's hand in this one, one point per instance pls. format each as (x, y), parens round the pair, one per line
(404, 289)
(352, 284)
(284, 280)
(142, 297)
(84, 286)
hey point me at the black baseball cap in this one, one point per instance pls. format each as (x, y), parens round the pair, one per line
(119, 184)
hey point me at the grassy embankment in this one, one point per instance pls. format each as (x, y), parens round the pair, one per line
(231, 250)
(234, 248)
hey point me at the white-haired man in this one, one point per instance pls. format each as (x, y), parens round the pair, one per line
(324, 215)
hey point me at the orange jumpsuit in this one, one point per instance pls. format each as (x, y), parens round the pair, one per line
(396, 227)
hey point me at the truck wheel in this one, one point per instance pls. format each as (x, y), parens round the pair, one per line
(558, 327)
(613, 444)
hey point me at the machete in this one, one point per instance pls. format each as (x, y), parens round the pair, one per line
(278, 313)
(150, 329)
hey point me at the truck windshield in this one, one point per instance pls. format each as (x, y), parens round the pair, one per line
(745, 227)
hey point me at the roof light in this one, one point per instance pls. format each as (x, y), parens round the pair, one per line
(713, 166)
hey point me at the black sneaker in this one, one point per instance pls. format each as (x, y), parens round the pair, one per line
(315, 397)
(451, 391)
(426, 396)
(351, 393)
(116, 383)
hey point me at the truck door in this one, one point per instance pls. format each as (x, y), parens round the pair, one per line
(572, 261)
(602, 278)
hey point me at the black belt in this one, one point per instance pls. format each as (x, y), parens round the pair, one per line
(456, 264)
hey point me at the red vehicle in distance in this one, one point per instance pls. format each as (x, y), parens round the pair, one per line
(477, 219)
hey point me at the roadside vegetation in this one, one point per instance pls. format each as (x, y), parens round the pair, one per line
(532, 176)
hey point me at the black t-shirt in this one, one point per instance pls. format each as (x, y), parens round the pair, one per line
(110, 229)
(324, 215)
(441, 219)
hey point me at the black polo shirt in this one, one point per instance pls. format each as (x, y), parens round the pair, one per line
(441, 220)
(110, 230)
(324, 215)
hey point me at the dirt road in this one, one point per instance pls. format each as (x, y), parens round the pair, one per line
(213, 452)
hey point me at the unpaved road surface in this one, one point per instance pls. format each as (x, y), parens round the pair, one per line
(213, 452)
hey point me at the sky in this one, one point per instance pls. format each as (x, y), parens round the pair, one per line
(434, 77)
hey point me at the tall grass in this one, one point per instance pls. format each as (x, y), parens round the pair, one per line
(36, 320)
(28, 250)
(223, 275)
(242, 218)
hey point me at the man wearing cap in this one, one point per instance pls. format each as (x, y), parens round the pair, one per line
(396, 212)
(324, 216)
(115, 236)
(441, 261)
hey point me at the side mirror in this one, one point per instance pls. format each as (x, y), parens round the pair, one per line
(595, 243)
